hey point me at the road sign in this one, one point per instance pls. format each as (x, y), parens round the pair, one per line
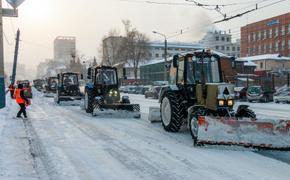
(15, 3)
(9, 12)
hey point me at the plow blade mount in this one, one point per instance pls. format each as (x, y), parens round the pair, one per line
(118, 111)
(271, 135)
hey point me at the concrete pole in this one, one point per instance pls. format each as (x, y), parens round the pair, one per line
(2, 84)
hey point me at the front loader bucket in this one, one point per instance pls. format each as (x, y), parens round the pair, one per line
(244, 132)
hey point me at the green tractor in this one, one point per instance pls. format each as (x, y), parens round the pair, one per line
(197, 93)
(102, 95)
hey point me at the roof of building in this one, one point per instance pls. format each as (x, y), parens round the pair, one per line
(176, 44)
(156, 61)
(263, 57)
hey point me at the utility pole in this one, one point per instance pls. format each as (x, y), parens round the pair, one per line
(165, 54)
(15, 57)
(5, 13)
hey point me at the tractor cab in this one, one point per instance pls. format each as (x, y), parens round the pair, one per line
(102, 92)
(68, 87)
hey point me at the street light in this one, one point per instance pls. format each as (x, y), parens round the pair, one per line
(165, 53)
(5, 13)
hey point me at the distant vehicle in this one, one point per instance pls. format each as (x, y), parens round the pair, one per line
(26, 87)
(240, 93)
(50, 86)
(131, 89)
(160, 83)
(38, 84)
(282, 96)
(258, 93)
(141, 89)
(68, 87)
(153, 92)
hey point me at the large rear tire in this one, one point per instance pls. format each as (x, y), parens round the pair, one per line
(172, 111)
(89, 102)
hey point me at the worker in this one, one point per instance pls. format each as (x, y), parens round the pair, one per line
(21, 100)
(11, 89)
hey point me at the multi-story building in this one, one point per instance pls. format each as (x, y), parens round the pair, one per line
(64, 48)
(111, 49)
(156, 49)
(221, 41)
(269, 36)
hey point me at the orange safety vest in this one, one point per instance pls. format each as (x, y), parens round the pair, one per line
(18, 98)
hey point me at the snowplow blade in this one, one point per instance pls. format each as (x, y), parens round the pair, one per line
(271, 135)
(118, 111)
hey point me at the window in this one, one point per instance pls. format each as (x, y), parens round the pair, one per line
(163, 55)
(254, 37)
(262, 35)
(270, 33)
(249, 37)
(265, 34)
(258, 35)
(233, 48)
(276, 31)
(217, 47)
(261, 65)
(228, 39)
(283, 44)
(223, 38)
(238, 48)
(259, 49)
(150, 55)
(169, 49)
(228, 48)
(283, 30)
(176, 49)
(270, 48)
(264, 48)
(289, 44)
(223, 48)
(157, 55)
(276, 46)
(217, 38)
(288, 28)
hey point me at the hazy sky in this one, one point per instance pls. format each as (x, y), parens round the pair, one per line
(40, 21)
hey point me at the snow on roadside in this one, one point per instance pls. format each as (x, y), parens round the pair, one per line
(16, 161)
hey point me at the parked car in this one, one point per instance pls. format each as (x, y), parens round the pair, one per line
(153, 92)
(258, 93)
(282, 96)
(240, 93)
(141, 89)
(26, 87)
(131, 89)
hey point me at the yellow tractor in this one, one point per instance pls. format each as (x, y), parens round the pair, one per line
(198, 96)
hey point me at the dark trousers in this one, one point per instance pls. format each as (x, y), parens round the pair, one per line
(22, 110)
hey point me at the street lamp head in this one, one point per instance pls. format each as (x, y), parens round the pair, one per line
(154, 32)
(15, 3)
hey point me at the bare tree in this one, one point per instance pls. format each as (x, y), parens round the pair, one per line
(135, 49)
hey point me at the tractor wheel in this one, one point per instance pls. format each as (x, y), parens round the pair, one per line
(89, 102)
(245, 112)
(193, 124)
(172, 111)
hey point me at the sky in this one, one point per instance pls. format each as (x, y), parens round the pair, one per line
(41, 21)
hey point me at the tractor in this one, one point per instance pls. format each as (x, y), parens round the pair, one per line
(102, 93)
(68, 87)
(198, 97)
(50, 86)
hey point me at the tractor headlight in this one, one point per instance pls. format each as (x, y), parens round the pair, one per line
(113, 93)
(221, 102)
(230, 102)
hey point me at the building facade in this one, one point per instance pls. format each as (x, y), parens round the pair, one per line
(156, 49)
(64, 49)
(269, 36)
(269, 62)
(221, 41)
(111, 49)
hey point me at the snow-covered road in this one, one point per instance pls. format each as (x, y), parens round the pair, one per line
(67, 143)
